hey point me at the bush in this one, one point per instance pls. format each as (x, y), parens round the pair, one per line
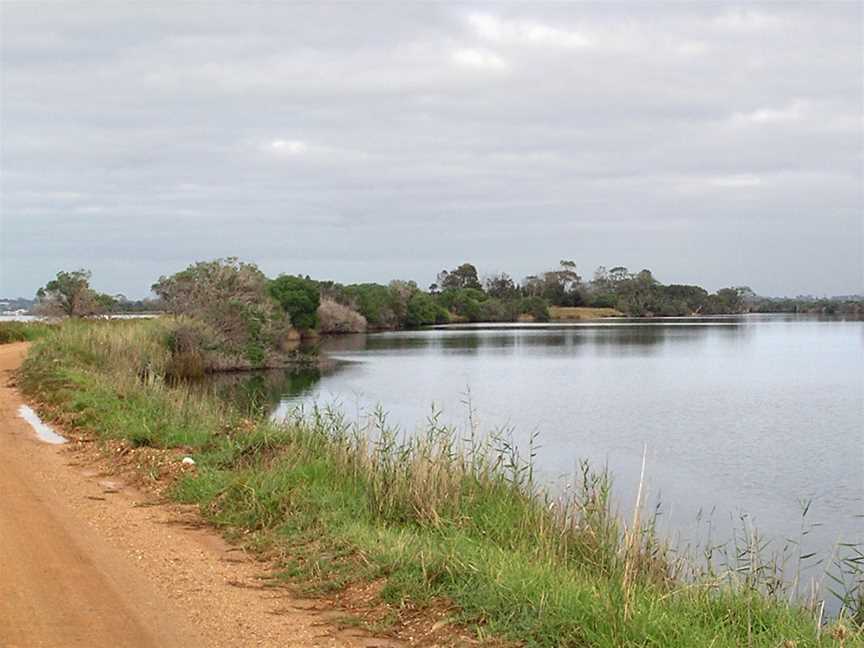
(464, 302)
(422, 310)
(299, 298)
(497, 310)
(603, 300)
(536, 307)
(334, 317)
(374, 302)
(231, 299)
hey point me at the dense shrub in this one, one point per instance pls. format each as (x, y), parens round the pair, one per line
(422, 310)
(299, 298)
(334, 317)
(536, 307)
(231, 298)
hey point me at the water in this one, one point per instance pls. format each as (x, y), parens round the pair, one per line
(43, 431)
(743, 416)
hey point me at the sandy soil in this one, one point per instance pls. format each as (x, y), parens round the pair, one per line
(88, 561)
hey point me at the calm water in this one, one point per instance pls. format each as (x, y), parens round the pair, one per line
(741, 416)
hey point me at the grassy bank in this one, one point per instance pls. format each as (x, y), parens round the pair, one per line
(433, 519)
(22, 331)
(575, 313)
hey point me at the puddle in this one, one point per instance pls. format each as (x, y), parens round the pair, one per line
(43, 431)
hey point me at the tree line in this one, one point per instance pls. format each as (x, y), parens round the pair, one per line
(457, 295)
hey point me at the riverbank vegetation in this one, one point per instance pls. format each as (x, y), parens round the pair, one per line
(433, 520)
(252, 312)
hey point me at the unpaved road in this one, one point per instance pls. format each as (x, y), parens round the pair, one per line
(81, 567)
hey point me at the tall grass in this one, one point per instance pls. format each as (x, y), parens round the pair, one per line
(23, 331)
(432, 516)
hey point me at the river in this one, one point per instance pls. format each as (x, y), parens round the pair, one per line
(744, 418)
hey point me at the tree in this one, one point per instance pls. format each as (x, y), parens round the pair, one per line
(372, 301)
(464, 303)
(618, 274)
(465, 276)
(532, 286)
(70, 295)
(299, 298)
(400, 295)
(637, 294)
(733, 300)
(501, 286)
(561, 287)
(422, 310)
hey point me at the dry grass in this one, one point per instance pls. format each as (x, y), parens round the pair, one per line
(575, 313)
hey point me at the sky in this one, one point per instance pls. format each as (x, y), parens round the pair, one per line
(716, 144)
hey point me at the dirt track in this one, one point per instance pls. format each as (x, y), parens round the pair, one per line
(80, 566)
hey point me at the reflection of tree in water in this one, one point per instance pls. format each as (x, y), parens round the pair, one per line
(646, 333)
(260, 391)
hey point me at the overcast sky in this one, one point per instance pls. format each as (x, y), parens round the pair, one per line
(713, 143)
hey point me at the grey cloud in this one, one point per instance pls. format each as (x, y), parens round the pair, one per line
(713, 143)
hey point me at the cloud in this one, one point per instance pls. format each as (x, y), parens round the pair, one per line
(479, 59)
(748, 20)
(524, 32)
(287, 147)
(794, 111)
(361, 142)
(737, 181)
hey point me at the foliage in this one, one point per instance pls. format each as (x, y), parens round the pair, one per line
(463, 302)
(231, 299)
(423, 310)
(374, 302)
(299, 298)
(69, 294)
(465, 276)
(536, 307)
(334, 317)
(501, 286)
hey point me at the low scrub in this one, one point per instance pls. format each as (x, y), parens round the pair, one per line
(433, 518)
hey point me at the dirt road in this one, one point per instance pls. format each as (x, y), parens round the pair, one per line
(83, 565)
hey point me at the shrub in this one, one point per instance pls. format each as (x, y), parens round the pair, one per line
(299, 298)
(422, 310)
(334, 317)
(231, 299)
(536, 307)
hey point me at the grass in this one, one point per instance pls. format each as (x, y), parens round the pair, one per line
(435, 517)
(22, 331)
(558, 313)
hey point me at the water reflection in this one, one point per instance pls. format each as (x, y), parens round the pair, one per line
(262, 391)
(266, 390)
(549, 340)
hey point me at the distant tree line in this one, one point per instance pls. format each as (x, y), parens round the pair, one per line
(251, 315)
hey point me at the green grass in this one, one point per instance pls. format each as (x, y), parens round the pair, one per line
(434, 517)
(22, 331)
